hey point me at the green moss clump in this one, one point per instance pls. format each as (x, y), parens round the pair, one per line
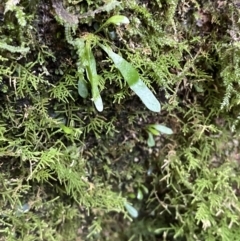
(68, 171)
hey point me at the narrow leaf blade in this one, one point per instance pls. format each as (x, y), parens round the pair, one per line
(163, 129)
(131, 76)
(146, 95)
(97, 99)
(98, 104)
(93, 78)
(82, 88)
(150, 141)
(128, 72)
(131, 210)
(117, 20)
(139, 194)
(153, 131)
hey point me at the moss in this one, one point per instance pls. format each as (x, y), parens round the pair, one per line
(68, 170)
